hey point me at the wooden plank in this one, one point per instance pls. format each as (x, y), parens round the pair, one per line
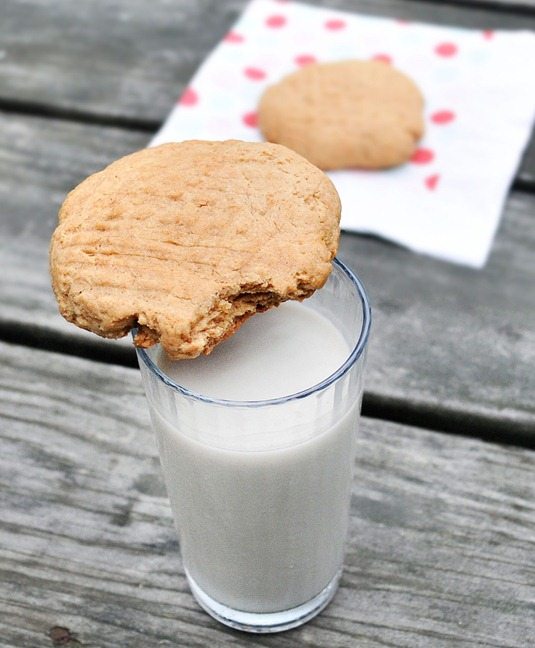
(440, 550)
(44, 159)
(117, 61)
(446, 341)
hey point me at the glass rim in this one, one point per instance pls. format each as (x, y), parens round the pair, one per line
(353, 356)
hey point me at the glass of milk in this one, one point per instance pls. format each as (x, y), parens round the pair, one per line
(257, 447)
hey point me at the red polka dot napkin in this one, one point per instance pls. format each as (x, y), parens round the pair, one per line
(480, 104)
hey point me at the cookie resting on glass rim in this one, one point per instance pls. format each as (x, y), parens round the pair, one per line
(185, 241)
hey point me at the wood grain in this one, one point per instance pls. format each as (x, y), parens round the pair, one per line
(115, 60)
(447, 341)
(440, 551)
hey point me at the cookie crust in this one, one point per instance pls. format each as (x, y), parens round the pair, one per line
(363, 114)
(188, 240)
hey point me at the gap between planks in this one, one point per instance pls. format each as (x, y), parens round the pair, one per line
(59, 113)
(375, 406)
(511, 7)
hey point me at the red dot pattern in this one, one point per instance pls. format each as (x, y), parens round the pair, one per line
(305, 59)
(446, 50)
(255, 74)
(189, 97)
(431, 182)
(234, 37)
(422, 156)
(382, 58)
(335, 24)
(443, 117)
(250, 119)
(276, 21)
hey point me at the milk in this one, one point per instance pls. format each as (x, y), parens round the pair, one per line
(261, 508)
(281, 352)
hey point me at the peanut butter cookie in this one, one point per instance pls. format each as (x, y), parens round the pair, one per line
(361, 114)
(188, 240)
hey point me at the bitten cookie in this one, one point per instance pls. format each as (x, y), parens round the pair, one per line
(188, 240)
(346, 114)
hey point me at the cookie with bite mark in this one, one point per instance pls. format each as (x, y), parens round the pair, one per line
(185, 241)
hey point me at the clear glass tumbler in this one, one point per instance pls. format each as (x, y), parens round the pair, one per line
(260, 490)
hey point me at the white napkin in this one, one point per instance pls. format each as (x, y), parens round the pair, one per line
(479, 88)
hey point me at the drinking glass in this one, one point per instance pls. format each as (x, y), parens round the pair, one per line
(260, 490)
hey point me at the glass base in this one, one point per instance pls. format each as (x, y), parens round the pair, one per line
(269, 621)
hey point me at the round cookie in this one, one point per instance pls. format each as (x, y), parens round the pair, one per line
(346, 114)
(188, 240)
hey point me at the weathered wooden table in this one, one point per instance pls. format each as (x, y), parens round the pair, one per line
(442, 542)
